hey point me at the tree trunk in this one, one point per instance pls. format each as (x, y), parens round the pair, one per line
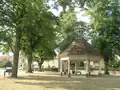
(106, 60)
(30, 63)
(16, 54)
(40, 64)
(58, 64)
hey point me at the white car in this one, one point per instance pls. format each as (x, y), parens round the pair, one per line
(8, 69)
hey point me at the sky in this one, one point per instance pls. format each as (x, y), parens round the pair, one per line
(0, 53)
(79, 13)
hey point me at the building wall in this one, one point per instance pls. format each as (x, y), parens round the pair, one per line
(51, 63)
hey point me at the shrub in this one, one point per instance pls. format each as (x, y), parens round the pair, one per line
(54, 69)
(5, 64)
(8, 64)
(2, 64)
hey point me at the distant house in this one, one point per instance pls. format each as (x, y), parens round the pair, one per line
(50, 63)
(3, 58)
(6, 58)
(22, 64)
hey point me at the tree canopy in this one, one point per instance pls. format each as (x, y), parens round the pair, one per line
(105, 19)
(30, 26)
(105, 23)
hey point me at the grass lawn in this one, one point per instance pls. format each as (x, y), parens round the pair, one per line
(37, 82)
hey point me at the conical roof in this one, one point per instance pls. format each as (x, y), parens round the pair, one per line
(80, 47)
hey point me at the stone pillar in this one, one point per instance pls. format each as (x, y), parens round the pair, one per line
(69, 74)
(65, 66)
(99, 71)
(75, 67)
(61, 72)
(58, 58)
(87, 67)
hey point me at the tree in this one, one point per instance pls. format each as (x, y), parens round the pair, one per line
(115, 64)
(29, 9)
(69, 26)
(6, 40)
(105, 49)
(105, 18)
(71, 29)
(16, 16)
(71, 4)
(46, 52)
(11, 15)
(44, 33)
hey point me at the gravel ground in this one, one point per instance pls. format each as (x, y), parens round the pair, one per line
(39, 81)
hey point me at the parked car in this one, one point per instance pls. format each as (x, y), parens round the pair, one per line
(8, 70)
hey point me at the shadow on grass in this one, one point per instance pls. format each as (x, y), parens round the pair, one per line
(89, 83)
(66, 85)
(64, 78)
(44, 78)
(52, 82)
